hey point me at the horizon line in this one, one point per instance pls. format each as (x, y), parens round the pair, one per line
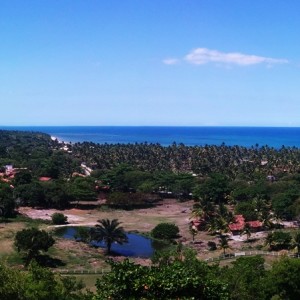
(231, 126)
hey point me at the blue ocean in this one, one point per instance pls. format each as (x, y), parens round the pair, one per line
(190, 136)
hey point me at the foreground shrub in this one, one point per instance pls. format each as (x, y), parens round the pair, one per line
(59, 219)
(212, 246)
(165, 231)
(278, 240)
(177, 280)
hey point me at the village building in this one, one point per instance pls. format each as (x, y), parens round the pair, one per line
(239, 223)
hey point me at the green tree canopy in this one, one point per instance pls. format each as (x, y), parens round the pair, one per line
(177, 280)
(31, 241)
(39, 283)
(215, 188)
(82, 188)
(245, 278)
(7, 203)
(283, 281)
(279, 240)
(165, 231)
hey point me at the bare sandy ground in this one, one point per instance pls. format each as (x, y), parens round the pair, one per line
(75, 216)
(142, 220)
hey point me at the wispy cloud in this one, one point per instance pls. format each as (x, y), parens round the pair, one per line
(201, 56)
(171, 61)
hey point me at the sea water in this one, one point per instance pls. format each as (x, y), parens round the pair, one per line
(243, 136)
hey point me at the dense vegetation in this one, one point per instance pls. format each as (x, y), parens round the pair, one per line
(202, 160)
(38, 283)
(180, 277)
(256, 179)
(188, 278)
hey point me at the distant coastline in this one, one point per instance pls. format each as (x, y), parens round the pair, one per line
(166, 135)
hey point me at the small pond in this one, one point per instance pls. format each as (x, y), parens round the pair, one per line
(137, 246)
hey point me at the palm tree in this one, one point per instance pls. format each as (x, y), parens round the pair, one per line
(247, 231)
(221, 225)
(223, 243)
(203, 210)
(266, 218)
(198, 211)
(109, 231)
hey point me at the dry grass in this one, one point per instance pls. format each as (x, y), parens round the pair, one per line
(7, 234)
(78, 256)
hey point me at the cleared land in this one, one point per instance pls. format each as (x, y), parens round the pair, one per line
(144, 220)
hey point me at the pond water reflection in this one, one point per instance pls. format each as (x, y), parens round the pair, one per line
(137, 246)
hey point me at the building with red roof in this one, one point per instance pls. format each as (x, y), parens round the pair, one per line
(239, 223)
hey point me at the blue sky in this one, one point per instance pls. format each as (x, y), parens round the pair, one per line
(150, 62)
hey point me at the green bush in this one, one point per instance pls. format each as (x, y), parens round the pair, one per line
(165, 231)
(279, 240)
(32, 241)
(59, 219)
(82, 234)
(212, 245)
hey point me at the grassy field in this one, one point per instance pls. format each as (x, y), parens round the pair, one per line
(7, 234)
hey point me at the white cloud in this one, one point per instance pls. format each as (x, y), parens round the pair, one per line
(171, 61)
(202, 56)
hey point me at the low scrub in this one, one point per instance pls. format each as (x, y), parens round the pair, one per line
(59, 219)
(165, 231)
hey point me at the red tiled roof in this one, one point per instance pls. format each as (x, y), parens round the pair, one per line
(236, 226)
(239, 218)
(255, 224)
(45, 178)
(239, 223)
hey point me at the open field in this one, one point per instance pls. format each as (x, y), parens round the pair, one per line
(144, 220)
(75, 256)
